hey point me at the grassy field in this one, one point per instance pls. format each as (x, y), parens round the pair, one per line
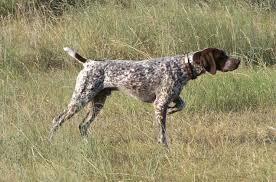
(136, 30)
(222, 135)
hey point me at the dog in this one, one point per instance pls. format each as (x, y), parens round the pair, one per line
(158, 81)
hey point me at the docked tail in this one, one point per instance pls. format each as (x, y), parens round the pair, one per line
(75, 55)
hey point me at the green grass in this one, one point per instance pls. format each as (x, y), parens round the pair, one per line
(140, 29)
(222, 134)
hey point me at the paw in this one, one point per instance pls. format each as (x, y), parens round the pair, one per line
(83, 130)
(172, 110)
(163, 141)
(51, 134)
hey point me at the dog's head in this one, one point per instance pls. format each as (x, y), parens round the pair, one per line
(213, 59)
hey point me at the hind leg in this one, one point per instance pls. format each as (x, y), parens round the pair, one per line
(71, 110)
(96, 105)
(65, 115)
(85, 90)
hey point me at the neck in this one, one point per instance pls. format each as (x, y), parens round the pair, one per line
(189, 62)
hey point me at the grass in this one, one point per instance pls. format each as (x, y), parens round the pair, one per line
(140, 29)
(222, 134)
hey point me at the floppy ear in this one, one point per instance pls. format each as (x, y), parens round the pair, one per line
(208, 61)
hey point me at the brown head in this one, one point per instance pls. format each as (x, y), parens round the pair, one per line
(213, 59)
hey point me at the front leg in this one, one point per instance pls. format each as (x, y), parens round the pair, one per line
(160, 108)
(179, 105)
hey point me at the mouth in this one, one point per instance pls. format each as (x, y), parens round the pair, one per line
(231, 64)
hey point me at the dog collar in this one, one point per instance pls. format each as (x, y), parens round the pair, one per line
(189, 60)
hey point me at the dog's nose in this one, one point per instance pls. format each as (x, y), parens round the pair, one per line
(236, 61)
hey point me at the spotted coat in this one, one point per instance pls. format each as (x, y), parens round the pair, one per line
(158, 81)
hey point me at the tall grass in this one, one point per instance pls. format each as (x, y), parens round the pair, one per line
(222, 134)
(140, 29)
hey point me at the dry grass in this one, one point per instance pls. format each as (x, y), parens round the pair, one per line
(206, 143)
(140, 30)
(222, 135)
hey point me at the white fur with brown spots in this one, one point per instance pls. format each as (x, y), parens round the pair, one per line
(158, 81)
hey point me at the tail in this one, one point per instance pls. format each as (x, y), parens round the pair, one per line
(75, 55)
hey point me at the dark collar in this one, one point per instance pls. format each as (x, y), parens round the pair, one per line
(191, 67)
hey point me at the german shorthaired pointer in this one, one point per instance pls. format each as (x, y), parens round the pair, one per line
(158, 81)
